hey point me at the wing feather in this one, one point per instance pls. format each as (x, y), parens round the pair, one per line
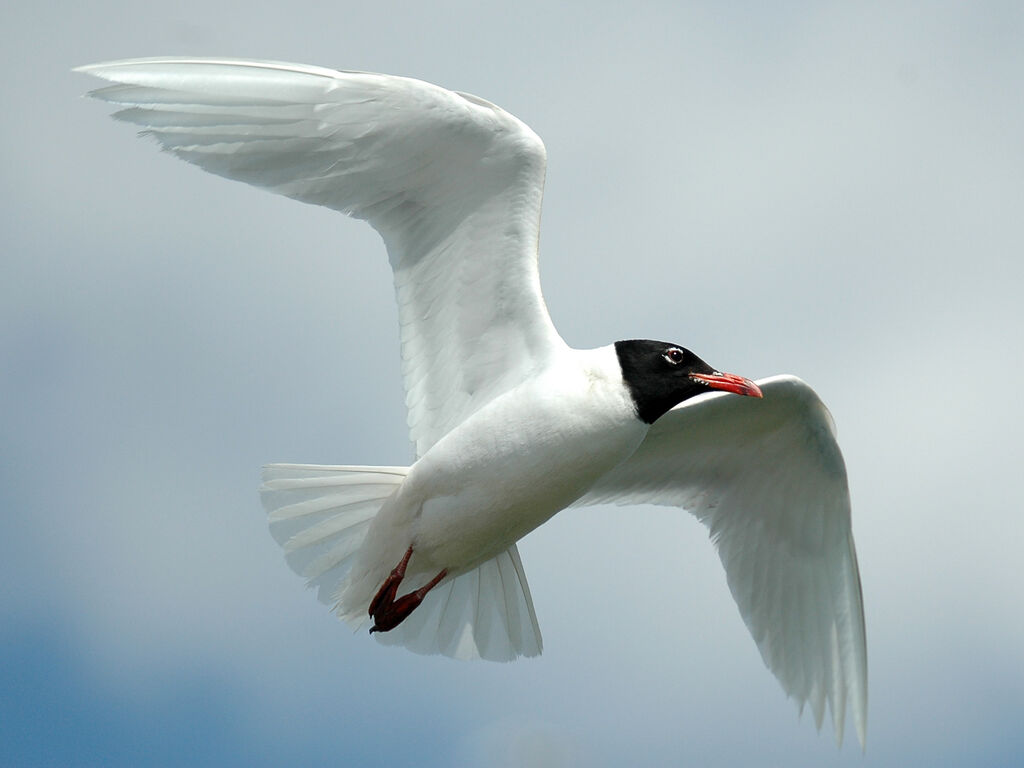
(452, 183)
(768, 480)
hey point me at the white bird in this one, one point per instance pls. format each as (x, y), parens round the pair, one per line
(510, 424)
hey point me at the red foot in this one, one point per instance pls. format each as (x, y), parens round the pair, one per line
(386, 594)
(387, 611)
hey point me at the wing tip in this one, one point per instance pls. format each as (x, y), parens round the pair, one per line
(98, 68)
(107, 69)
(860, 722)
(859, 715)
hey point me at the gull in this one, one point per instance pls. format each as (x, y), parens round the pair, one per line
(510, 424)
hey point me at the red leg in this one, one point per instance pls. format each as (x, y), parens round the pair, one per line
(386, 594)
(387, 610)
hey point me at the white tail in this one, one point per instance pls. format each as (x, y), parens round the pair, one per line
(320, 516)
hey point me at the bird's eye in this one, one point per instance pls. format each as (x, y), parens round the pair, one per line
(674, 355)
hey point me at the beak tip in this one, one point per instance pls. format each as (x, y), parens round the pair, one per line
(729, 382)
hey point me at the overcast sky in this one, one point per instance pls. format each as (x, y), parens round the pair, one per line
(830, 190)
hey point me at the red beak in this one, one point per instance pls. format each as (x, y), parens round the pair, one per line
(728, 382)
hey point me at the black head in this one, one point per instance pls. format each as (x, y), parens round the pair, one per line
(662, 375)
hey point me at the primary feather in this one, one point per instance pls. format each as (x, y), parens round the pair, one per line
(782, 529)
(452, 183)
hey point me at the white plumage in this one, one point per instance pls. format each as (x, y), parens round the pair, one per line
(510, 424)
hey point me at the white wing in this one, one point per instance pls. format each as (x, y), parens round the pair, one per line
(451, 182)
(767, 478)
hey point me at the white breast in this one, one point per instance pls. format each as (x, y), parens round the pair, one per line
(515, 463)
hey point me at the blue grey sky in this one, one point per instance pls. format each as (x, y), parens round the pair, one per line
(825, 189)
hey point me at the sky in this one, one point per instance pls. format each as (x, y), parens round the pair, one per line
(826, 189)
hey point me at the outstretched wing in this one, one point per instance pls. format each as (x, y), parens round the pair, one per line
(768, 480)
(452, 183)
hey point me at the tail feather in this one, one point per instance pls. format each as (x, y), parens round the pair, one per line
(320, 516)
(486, 613)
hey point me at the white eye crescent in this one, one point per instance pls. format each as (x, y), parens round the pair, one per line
(673, 355)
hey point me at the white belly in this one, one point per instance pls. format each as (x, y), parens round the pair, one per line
(506, 470)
